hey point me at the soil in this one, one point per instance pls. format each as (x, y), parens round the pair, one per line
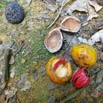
(33, 55)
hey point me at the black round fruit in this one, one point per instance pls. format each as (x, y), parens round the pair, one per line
(14, 12)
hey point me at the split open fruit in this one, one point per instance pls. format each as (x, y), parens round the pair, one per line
(59, 70)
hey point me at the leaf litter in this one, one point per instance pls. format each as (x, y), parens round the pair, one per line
(98, 91)
(91, 8)
(23, 83)
(97, 37)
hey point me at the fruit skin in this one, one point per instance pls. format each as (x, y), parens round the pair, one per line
(14, 12)
(84, 55)
(57, 64)
(80, 79)
(52, 75)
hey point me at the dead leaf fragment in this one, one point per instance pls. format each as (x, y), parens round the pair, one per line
(99, 77)
(97, 37)
(98, 91)
(26, 2)
(10, 93)
(50, 1)
(60, 2)
(2, 98)
(23, 83)
(79, 5)
(91, 12)
(84, 6)
(12, 72)
(52, 8)
(27, 85)
(95, 5)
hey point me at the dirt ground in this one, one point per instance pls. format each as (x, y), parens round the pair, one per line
(33, 56)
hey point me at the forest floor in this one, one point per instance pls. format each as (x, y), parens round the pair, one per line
(27, 67)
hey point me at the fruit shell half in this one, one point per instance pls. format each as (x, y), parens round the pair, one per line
(70, 24)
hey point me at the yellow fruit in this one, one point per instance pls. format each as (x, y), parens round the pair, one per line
(59, 70)
(84, 55)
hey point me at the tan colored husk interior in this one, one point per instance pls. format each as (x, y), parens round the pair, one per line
(53, 41)
(70, 24)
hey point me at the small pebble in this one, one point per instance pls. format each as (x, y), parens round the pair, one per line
(34, 74)
(83, 19)
(22, 81)
(52, 86)
(52, 8)
(52, 99)
(42, 71)
(23, 61)
(92, 31)
(43, 15)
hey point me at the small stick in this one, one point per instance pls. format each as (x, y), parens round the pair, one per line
(19, 49)
(5, 70)
(62, 6)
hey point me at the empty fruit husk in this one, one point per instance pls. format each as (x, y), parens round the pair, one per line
(54, 40)
(70, 24)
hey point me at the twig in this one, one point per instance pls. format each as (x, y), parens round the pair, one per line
(5, 70)
(72, 96)
(98, 91)
(6, 65)
(19, 49)
(62, 6)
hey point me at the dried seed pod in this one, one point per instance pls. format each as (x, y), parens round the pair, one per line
(70, 24)
(54, 40)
